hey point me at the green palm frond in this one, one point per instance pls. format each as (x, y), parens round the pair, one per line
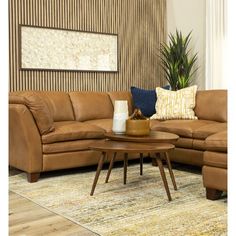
(177, 62)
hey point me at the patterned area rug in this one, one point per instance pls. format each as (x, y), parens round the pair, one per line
(138, 208)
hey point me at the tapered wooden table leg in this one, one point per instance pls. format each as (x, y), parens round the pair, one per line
(100, 164)
(125, 167)
(141, 163)
(110, 167)
(170, 170)
(163, 176)
(154, 162)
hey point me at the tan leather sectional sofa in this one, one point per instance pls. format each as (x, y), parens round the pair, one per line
(53, 130)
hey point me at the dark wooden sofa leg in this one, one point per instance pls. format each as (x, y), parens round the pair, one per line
(213, 194)
(33, 177)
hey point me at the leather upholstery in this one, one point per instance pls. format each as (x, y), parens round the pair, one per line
(122, 95)
(215, 162)
(25, 150)
(16, 99)
(199, 144)
(214, 178)
(40, 111)
(105, 124)
(183, 128)
(184, 143)
(60, 105)
(211, 105)
(187, 156)
(217, 142)
(91, 105)
(215, 159)
(154, 123)
(72, 130)
(66, 160)
(204, 131)
(70, 146)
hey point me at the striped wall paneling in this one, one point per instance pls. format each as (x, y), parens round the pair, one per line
(140, 25)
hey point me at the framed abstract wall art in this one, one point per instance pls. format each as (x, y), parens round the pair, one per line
(44, 48)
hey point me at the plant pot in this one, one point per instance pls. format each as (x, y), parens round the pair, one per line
(137, 127)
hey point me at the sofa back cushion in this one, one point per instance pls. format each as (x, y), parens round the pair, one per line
(211, 105)
(59, 104)
(122, 95)
(91, 105)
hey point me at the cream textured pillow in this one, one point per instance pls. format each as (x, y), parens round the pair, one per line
(175, 104)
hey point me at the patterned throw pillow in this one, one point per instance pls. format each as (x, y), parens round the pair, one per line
(145, 99)
(175, 104)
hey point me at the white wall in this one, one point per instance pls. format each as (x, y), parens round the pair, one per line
(186, 16)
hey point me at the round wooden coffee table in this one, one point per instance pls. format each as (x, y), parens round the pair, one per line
(153, 137)
(129, 144)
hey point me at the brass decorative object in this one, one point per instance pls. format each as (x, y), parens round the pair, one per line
(137, 124)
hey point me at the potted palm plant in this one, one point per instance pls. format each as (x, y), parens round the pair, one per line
(178, 64)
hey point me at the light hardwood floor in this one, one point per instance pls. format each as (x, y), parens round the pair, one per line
(29, 219)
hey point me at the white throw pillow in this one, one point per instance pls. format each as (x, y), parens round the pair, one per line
(175, 104)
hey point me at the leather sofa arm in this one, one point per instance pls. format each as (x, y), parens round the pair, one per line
(25, 146)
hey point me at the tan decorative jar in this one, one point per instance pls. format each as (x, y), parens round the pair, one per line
(137, 127)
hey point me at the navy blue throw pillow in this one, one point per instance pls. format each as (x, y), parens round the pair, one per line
(145, 100)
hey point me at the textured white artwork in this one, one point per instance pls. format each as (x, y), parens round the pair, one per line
(56, 49)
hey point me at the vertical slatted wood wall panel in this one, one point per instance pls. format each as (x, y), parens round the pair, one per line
(140, 25)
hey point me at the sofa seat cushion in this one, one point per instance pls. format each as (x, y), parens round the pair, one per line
(183, 128)
(69, 146)
(105, 124)
(215, 159)
(72, 130)
(217, 142)
(204, 131)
